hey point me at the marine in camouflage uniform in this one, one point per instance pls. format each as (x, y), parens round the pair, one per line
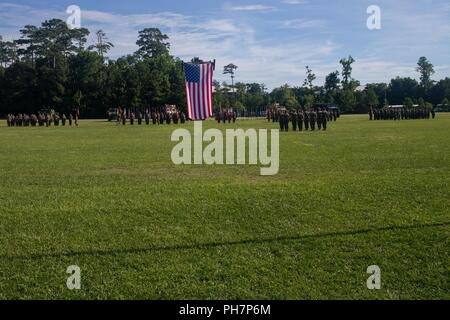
(300, 120)
(294, 118)
(33, 120)
(306, 120)
(19, 120)
(56, 120)
(325, 120)
(281, 123)
(26, 120)
(153, 115)
(285, 121)
(75, 115)
(47, 120)
(319, 119)
(218, 116)
(41, 120)
(312, 120)
(123, 117)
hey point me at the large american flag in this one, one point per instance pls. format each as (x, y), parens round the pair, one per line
(199, 79)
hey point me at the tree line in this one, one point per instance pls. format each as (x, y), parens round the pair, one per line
(342, 90)
(52, 67)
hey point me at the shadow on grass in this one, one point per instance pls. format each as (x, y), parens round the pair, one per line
(218, 243)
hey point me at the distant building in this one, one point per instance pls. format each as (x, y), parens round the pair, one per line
(327, 106)
(442, 108)
(360, 88)
(275, 107)
(171, 108)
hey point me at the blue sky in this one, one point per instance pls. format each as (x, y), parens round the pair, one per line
(270, 40)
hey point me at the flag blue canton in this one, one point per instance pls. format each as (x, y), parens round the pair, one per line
(192, 72)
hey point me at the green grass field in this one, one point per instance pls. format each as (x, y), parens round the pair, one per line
(108, 199)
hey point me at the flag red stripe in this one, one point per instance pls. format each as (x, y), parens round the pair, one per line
(210, 89)
(192, 99)
(191, 95)
(205, 91)
(194, 94)
(200, 94)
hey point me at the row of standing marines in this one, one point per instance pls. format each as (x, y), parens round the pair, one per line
(224, 116)
(42, 119)
(299, 119)
(302, 119)
(404, 113)
(155, 117)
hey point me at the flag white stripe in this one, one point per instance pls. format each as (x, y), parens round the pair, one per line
(197, 110)
(189, 104)
(194, 108)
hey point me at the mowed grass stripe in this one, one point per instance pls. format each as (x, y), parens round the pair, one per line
(145, 250)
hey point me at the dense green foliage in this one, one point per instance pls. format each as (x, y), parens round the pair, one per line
(52, 67)
(108, 199)
(346, 92)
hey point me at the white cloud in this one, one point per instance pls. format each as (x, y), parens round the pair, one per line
(303, 24)
(295, 2)
(368, 70)
(166, 19)
(6, 5)
(14, 16)
(254, 7)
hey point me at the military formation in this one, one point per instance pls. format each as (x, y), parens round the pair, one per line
(401, 114)
(303, 120)
(226, 116)
(147, 117)
(42, 119)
